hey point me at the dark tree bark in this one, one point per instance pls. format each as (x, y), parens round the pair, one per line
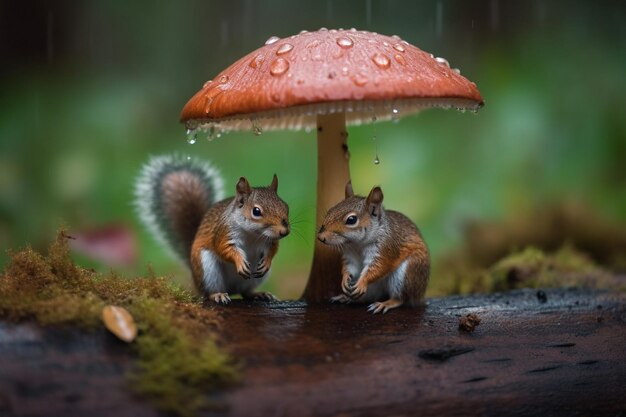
(562, 355)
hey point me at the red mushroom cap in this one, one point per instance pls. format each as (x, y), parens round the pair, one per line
(287, 82)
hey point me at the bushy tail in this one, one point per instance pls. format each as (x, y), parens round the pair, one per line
(172, 194)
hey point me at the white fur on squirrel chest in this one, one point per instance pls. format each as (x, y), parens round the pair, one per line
(221, 276)
(358, 259)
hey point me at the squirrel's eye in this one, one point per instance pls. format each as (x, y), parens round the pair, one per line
(351, 220)
(256, 211)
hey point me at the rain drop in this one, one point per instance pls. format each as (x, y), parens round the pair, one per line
(458, 71)
(395, 114)
(206, 84)
(443, 61)
(223, 79)
(396, 37)
(256, 129)
(279, 66)
(376, 159)
(284, 48)
(256, 61)
(192, 136)
(302, 32)
(344, 70)
(399, 47)
(272, 40)
(381, 61)
(210, 133)
(323, 29)
(345, 42)
(188, 157)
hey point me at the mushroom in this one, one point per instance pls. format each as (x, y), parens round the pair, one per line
(326, 80)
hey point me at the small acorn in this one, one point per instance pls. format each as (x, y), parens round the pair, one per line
(119, 322)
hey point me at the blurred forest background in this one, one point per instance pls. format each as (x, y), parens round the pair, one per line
(91, 89)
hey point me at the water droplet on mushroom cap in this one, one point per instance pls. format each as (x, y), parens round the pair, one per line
(284, 48)
(256, 61)
(345, 42)
(400, 59)
(359, 79)
(399, 47)
(272, 40)
(443, 61)
(381, 61)
(279, 66)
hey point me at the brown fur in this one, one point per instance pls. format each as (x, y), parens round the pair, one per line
(185, 201)
(397, 239)
(216, 232)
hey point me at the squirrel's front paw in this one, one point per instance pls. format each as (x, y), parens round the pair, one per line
(243, 269)
(346, 284)
(262, 268)
(358, 289)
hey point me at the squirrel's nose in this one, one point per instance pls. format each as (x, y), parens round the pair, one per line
(283, 232)
(321, 239)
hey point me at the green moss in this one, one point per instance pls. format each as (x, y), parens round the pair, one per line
(178, 360)
(566, 267)
(534, 268)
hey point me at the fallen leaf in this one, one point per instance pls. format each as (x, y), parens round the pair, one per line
(119, 322)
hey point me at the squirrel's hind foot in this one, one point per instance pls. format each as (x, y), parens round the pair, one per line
(384, 306)
(219, 298)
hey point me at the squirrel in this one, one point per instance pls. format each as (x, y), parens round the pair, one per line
(228, 243)
(385, 259)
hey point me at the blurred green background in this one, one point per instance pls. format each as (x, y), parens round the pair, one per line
(91, 89)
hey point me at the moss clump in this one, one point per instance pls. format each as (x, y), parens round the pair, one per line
(566, 267)
(532, 268)
(177, 357)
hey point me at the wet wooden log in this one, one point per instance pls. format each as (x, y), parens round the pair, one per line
(560, 353)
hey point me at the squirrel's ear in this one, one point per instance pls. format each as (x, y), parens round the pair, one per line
(349, 191)
(274, 184)
(374, 201)
(243, 188)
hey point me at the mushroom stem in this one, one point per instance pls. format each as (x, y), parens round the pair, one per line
(333, 172)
